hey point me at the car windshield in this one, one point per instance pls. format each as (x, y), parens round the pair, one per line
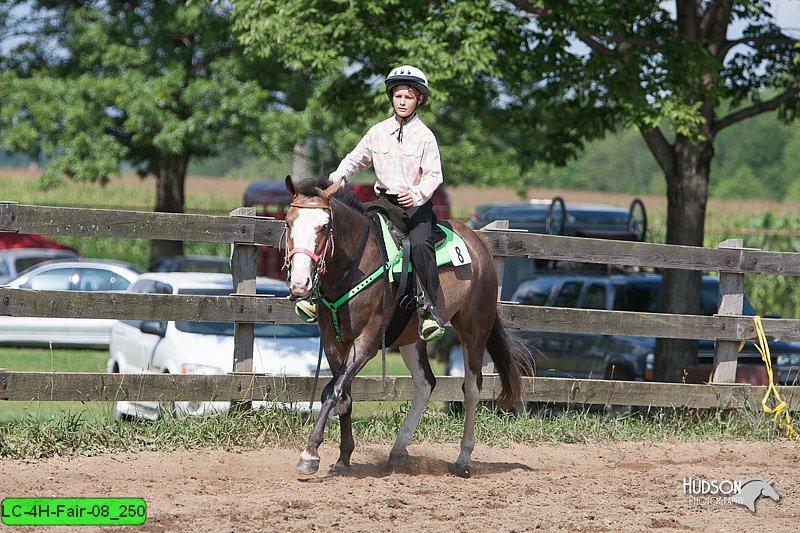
(645, 297)
(271, 331)
(24, 263)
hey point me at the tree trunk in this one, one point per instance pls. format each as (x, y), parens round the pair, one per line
(169, 199)
(301, 162)
(687, 191)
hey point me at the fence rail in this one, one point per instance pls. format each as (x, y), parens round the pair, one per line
(245, 231)
(59, 221)
(86, 387)
(266, 309)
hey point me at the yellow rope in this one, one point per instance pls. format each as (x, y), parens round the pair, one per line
(779, 405)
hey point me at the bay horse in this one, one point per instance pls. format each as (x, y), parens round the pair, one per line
(352, 335)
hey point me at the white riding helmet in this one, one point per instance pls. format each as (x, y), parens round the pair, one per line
(408, 75)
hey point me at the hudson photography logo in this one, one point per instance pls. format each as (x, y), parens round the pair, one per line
(726, 492)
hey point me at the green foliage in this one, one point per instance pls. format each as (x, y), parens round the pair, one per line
(742, 184)
(770, 295)
(151, 84)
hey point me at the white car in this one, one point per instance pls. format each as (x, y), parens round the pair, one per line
(205, 347)
(67, 275)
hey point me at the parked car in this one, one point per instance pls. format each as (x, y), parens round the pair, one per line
(581, 355)
(178, 347)
(190, 263)
(16, 260)
(20, 251)
(67, 275)
(555, 217)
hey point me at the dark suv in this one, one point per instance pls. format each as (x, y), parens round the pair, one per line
(580, 355)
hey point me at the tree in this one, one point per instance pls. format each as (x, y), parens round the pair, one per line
(553, 74)
(90, 85)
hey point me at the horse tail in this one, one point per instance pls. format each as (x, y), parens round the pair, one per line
(512, 361)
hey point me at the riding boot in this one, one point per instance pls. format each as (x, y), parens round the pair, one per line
(432, 326)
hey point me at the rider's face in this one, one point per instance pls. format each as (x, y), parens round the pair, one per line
(404, 101)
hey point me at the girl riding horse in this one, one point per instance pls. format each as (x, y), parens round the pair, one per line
(405, 156)
(331, 251)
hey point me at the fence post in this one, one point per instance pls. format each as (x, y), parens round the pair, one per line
(243, 270)
(499, 261)
(730, 301)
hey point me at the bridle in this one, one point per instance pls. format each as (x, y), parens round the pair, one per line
(327, 246)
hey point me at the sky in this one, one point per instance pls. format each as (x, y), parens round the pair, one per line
(787, 15)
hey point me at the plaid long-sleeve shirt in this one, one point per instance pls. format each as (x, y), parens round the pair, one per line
(412, 164)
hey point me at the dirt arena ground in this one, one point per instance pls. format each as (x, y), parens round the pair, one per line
(603, 487)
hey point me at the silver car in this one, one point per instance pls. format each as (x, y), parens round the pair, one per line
(14, 261)
(67, 275)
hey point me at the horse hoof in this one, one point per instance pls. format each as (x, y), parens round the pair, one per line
(398, 459)
(462, 470)
(341, 467)
(308, 466)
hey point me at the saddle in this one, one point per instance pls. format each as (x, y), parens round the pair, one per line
(395, 246)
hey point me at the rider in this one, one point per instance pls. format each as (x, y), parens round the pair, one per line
(405, 156)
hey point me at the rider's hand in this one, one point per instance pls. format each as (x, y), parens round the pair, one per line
(405, 199)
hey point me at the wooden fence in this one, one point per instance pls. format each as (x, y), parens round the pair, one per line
(245, 232)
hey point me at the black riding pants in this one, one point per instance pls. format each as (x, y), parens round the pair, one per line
(420, 228)
(418, 223)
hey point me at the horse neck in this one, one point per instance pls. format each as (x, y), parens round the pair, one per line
(348, 229)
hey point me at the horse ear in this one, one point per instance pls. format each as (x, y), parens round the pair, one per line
(290, 186)
(333, 189)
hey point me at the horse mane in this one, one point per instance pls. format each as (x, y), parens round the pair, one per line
(312, 187)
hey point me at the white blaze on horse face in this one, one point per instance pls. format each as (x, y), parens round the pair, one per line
(304, 235)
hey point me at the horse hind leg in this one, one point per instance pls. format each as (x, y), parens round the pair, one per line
(415, 356)
(474, 346)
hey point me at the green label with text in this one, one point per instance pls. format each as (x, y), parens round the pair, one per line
(73, 511)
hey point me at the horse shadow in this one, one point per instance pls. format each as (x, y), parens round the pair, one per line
(425, 466)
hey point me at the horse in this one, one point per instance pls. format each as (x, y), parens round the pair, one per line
(330, 249)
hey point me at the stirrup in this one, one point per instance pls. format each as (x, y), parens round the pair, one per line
(306, 311)
(431, 327)
(430, 330)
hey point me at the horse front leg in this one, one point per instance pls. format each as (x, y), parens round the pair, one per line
(356, 358)
(415, 357)
(346, 442)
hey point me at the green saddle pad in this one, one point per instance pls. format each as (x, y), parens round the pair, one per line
(451, 251)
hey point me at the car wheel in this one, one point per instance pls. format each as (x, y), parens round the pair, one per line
(637, 219)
